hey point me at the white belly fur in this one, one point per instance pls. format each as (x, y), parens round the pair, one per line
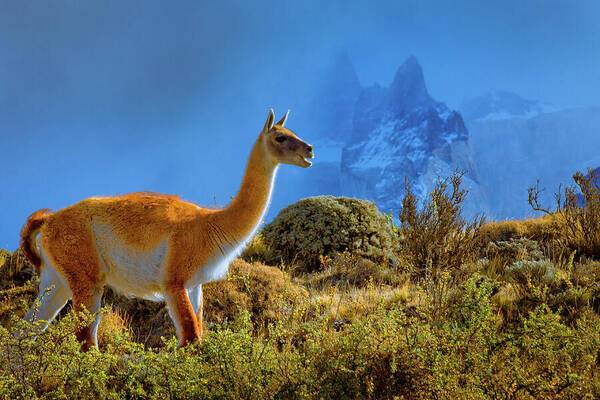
(140, 273)
(132, 272)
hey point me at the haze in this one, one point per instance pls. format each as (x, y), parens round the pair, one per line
(111, 97)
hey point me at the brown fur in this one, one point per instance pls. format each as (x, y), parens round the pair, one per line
(31, 227)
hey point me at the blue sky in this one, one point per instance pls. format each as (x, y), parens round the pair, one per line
(107, 97)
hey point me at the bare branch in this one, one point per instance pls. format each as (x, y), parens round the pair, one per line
(533, 197)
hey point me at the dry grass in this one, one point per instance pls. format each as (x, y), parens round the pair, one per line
(14, 269)
(266, 292)
(346, 270)
(115, 323)
(148, 320)
(339, 306)
(540, 229)
(18, 285)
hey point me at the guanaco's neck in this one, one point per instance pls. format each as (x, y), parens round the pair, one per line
(248, 207)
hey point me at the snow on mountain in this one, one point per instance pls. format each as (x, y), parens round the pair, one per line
(517, 142)
(401, 131)
(497, 105)
(371, 139)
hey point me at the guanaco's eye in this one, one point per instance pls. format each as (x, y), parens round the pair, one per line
(280, 139)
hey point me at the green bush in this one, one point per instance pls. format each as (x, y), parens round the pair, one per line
(436, 238)
(320, 226)
(530, 272)
(472, 317)
(388, 354)
(514, 249)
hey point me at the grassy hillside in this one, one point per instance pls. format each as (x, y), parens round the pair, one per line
(463, 309)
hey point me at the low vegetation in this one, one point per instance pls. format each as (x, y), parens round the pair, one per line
(436, 308)
(321, 226)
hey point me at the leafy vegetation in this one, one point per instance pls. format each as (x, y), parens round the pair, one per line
(466, 310)
(320, 226)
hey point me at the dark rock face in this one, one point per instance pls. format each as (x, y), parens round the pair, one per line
(399, 132)
(408, 89)
(371, 139)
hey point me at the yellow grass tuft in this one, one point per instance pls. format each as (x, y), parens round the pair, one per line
(257, 250)
(115, 323)
(533, 228)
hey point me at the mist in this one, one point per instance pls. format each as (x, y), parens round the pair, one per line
(102, 98)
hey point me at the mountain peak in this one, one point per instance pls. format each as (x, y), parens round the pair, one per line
(343, 68)
(410, 70)
(336, 95)
(412, 61)
(408, 88)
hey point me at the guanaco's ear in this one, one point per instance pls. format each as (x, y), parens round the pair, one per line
(269, 123)
(283, 119)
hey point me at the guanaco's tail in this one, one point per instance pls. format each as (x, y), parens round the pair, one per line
(31, 227)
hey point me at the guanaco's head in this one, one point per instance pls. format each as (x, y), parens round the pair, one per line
(282, 145)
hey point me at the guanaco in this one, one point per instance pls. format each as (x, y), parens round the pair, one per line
(152, 246)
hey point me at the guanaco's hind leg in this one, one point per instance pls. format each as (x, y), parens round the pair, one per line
(69, 241)
(52, 297)
(183, 315)
(90, 300)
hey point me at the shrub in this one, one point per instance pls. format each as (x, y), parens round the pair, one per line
(587, 275)
(267, 293)
(257, 250)
(516, 324)
(547, 359)
(347, 270)
(528, 272)
(436, 241)
(435, 237)
(50, 365)
(577, 216)
(384, 354)
(320, 226)
(512, 250)
(18, 285)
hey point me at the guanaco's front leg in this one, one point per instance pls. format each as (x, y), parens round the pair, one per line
(183, 315)
(196, 299)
